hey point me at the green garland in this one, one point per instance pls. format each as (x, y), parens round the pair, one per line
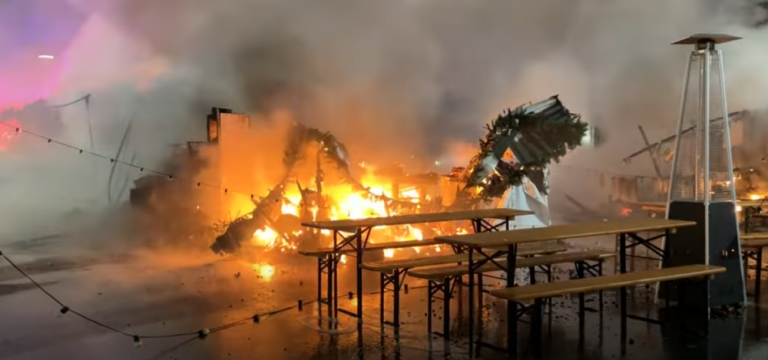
(537, 139)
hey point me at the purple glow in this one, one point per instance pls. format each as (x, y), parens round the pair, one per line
(30, 31)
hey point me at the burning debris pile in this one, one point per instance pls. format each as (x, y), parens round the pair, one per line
(275, 220)
(748, 132)
(536, 133)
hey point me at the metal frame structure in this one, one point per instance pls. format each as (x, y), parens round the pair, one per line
(358, 240)
(704, 47)
(754, 253)
(692, 193)
(536, 320)
(513, 308)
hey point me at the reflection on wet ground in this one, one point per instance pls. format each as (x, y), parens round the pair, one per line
(152, 300)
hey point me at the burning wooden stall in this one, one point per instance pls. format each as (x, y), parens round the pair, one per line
(537, 133)
(749, 149)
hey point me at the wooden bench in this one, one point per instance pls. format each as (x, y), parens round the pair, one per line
(324, 256)
(394, 271)
(752, 246)
(443, 279)
(526, 294)
(391, 266)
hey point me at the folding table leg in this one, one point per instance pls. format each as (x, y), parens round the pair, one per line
(623, 290)
(319, 282)
(329, 268)
(580, 274)
(600, 293)
(471, 302)
(511, 306)
(549, 300)
(511, 330)
(359, 269)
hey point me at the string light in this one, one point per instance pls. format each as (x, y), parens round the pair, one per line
(112, 160)
(218, 187)
(137, 338)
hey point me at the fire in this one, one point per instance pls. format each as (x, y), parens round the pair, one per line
(754, 197)
(626, 211)
(266, 237)
(264, 270)
(340, 202)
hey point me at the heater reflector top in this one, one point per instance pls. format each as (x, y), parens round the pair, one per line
(714, 38)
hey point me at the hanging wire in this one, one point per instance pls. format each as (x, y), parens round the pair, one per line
(201, 333)
(137, 338)
(113, 161)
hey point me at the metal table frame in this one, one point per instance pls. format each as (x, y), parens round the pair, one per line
(358, 240)
(512, 308)
(754, 253)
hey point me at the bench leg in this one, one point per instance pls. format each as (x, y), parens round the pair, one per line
(480, 305)
(580, 274)
(758, 274)
(447, 314)
(319, 283)
(383, 286)
(745, 256)
(396, 286)
(429, 311)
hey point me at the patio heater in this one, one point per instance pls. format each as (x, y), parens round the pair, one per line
(701, 185)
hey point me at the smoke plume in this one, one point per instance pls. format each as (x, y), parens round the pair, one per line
(393, 80)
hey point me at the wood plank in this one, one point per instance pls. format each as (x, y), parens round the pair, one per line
(753, 236)
(562, 232)
(450, 271)
(341, 225)
(754, 240)
(322, 252)
(576, 286)
(388, 266)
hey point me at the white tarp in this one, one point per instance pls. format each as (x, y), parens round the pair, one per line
(526, 197)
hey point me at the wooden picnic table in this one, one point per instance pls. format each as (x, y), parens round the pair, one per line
(505, 243)
(355, 233)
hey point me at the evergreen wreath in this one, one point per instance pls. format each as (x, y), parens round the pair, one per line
(536, 137)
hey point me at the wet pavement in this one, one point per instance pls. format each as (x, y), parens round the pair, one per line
(176, 295)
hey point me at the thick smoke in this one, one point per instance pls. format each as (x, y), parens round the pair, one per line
(391, 79)
(412, 76)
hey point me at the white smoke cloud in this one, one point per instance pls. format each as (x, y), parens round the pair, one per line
(391, 78)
